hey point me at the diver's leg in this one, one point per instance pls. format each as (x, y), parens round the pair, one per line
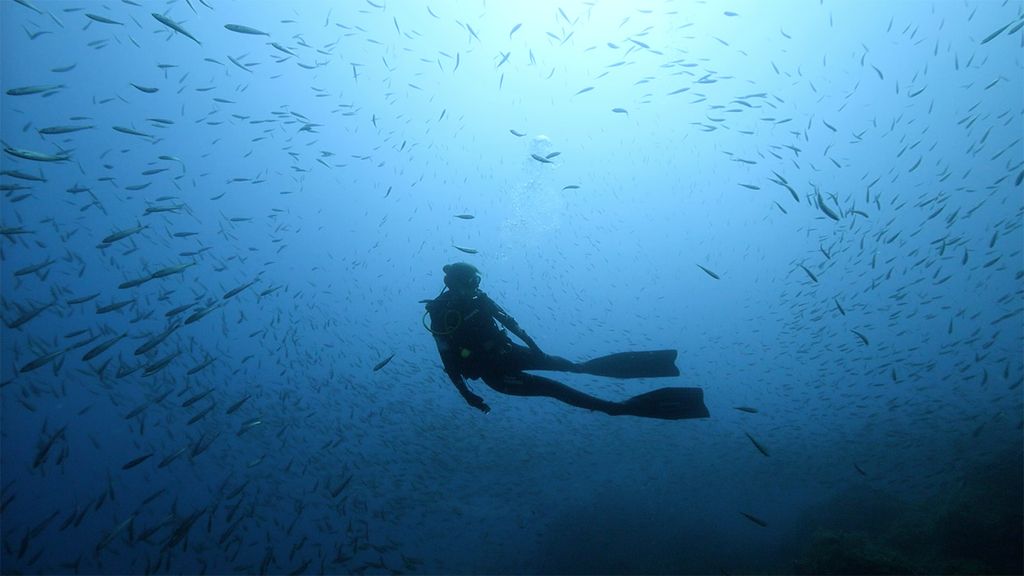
(519, 358)
(522, 384)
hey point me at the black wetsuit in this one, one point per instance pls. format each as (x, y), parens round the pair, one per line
(473, 346)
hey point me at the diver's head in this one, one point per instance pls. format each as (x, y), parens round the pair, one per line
(461, 278)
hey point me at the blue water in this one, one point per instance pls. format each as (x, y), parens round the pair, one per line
(850, 171)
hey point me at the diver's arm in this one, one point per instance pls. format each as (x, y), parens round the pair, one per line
(451, 369)
(509, 322)
(518, 331)
(467, 394)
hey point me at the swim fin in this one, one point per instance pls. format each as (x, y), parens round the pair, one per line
(667, 404)
(649, 364)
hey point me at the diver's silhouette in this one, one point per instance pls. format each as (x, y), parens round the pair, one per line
(471, 345)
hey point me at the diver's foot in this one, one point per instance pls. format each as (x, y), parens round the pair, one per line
(667, 404)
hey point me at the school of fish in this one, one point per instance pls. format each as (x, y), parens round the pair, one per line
(191, 379)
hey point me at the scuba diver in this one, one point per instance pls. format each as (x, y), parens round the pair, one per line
(471, 345)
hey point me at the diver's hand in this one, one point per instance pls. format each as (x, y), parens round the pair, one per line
(529, 341)
(478, 403)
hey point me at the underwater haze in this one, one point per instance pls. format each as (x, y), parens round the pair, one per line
(220, 219)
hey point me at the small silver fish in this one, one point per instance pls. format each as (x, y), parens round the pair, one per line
(174, 26)
(709, 272)
(383, 363)
(245, 30)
